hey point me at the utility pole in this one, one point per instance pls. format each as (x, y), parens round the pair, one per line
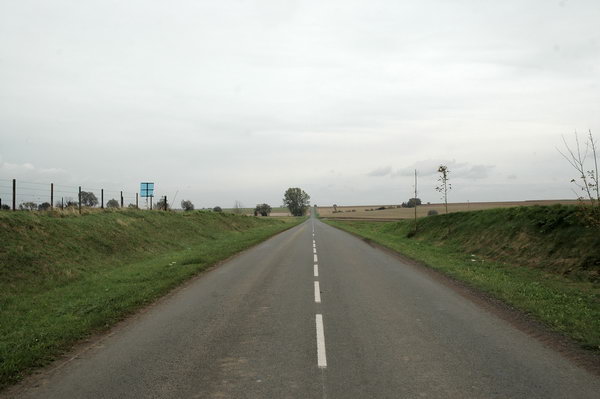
(415, 200)
(14, 195)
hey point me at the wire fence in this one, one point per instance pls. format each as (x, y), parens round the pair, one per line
(27, 195)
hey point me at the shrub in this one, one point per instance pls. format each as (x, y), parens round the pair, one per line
(432, 212)
(28, 206)
(44, 206)
(217, 209)
(113, 203)
(262, 209)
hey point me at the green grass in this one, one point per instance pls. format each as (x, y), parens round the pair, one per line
(541, 260)
(65, 276)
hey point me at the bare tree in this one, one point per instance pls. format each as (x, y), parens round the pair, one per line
(444, 185)
(584, 158)
(578, 158)
(238, 207)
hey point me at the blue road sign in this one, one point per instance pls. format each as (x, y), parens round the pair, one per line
(147, 190)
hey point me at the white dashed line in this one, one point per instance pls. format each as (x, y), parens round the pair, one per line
(315, 258)
(321, 357)
(316, 270)
(314, 250)
(317, 292)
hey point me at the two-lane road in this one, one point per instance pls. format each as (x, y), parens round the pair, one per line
(312, 313)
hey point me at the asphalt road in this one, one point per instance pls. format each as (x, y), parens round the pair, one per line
(259, 327)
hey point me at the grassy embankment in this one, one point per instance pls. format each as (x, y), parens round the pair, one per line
(542, 260)
(65, 276)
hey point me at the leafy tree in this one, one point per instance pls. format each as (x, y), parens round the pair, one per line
(113, 203)
(28, 206)
(262, 209)
(88, 199)
(217, 209)
(187, 205)
(296, 200)
(5, 207)
(44, 206)
(444, 186)
(411, 203)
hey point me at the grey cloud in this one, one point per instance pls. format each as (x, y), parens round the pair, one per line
(383, 171)
(475, 171)
(429, 167)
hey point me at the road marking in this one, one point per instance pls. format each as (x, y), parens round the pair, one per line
(316, 259)
(316, 270)
(321, 357)
(317, 292)
(314, 250)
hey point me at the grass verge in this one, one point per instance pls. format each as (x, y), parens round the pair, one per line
(487, 250)
(65, 276)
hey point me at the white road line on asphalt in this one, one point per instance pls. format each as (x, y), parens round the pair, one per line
(316, 259)
(317, 292)
(314, 250)
(321, 357)
(316, 270)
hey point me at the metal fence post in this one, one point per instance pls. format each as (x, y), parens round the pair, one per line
(14, 195)
(79, 199)
(136, 201)
(166, 204)
(102, 198)
(121, 199)
(51, 195)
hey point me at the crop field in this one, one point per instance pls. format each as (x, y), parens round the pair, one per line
(395, 212)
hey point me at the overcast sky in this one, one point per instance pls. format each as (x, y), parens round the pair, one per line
(239, 100)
